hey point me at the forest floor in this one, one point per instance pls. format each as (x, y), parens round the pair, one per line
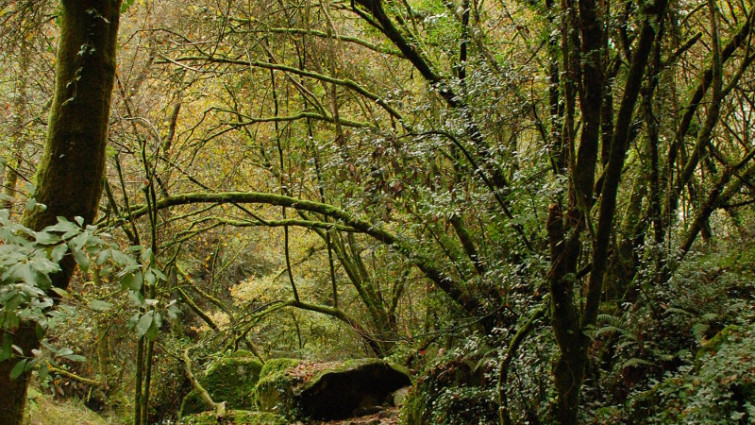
(45, 410)
(385, 417)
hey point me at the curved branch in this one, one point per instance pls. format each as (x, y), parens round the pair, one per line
(321, 34)
(404, 246)
(301, 115)
(220, 408)
(304, 73)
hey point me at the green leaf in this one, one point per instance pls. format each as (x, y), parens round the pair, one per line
(65, 351)
(98, 305)
(75, 358)
(58, 253)
(150, 277)
(43, 371)
(81, 259)
(160, 275)
(144, 323)
(61, 292)
(158, 322)
(18, 369)
(173, 310)
(634, 361)
(699, 330)
(122, 259)
(147, 256)
(45, 238)
(103, 256)
(137, 298)
(65, 227)
(132, 280)
(9, 321)
(32, 277)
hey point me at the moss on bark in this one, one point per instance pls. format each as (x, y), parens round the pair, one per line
(69, 175)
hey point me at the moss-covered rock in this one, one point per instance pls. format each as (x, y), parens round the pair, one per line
(229, 379)
(235, 417)
(350, 388)
(275, 389)
(298, 390)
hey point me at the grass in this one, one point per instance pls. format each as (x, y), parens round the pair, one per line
(42, 409)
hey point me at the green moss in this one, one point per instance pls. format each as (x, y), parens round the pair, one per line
(274, 391)
(43, 409)
(351, 365)
(193, 403)
(277, 366)
(725, 336)
(229, 379)
(235, 417)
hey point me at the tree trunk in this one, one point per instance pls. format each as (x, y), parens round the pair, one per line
(70, 173)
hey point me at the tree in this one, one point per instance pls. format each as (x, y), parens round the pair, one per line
(69, 176)
(609, 96)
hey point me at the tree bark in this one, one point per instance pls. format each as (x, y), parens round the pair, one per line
(70, 173)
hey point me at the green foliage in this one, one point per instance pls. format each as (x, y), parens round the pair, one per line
(718, 389)
(453, 390)
(28, 261)
(685, 355)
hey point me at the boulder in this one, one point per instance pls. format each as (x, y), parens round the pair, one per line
(230, 379)
(329, 391)
(274, 391)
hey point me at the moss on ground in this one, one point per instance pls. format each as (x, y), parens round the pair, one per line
(235, 417)
(41, 409)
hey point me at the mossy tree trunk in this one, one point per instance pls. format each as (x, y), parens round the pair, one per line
(571, 318)
(70, 173)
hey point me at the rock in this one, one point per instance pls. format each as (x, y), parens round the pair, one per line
(229, 379)
(399, 396)
(333, 391)
(357, 385)
(235, 417)
(274, 390)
